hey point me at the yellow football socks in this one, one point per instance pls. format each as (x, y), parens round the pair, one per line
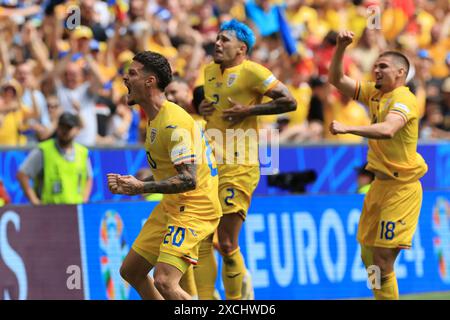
(389, 288)
(233, 272)
(205, 271)
(187, 283)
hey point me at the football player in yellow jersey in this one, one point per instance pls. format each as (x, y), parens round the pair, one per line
(184, 170)
(234, 88)
(392, 205)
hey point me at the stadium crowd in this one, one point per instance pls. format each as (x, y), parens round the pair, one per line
(71, 55)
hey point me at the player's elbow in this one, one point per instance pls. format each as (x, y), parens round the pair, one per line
(388, 132)
(333, 78)
(291, 104)
(389, 135)
(191, 184)
(21, 176)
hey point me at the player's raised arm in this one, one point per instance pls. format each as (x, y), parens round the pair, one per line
(336, 74)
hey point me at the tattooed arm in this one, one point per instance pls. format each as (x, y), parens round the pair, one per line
(184, 181)
(282, 102)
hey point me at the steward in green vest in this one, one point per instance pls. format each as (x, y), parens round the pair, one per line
(63, 181)
(60, 167)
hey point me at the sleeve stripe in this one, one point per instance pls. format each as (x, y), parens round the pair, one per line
(272, 85)
(357, 90)
(400, 113)
(190, 157)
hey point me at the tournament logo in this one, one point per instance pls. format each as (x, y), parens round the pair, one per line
(153, 135)
(114, 250)
(441, 242)
(231, 79)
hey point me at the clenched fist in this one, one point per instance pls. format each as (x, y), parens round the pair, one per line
(129, 185)
(345, 38)
(337, 127)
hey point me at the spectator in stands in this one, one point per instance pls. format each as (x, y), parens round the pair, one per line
(367, 50)
(424, 76)
(446, 104)
(12, 115)
(60, 168)
(90, 18)
(33, 99)
(76, 89)
(54, 110)
(320, 91)
(432, 124)
(120, 123)
(184, 31)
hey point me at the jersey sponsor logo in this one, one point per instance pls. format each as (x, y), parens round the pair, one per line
(401, 106)
(153, 135)
(231, 79)
(171, 127)
(211, 79)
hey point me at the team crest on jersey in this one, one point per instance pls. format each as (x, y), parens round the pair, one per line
(231, 79)
(153, 135)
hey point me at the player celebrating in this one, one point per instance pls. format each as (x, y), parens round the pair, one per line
(234, 88)
(184, 172)
(392, 205)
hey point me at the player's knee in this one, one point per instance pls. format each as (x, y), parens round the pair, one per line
(125, 274)
(227, 247)
(365, 260)
(163, 283)
(128, 275)
(384, 263)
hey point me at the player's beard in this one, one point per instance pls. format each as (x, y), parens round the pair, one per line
(378, 86)
(217, 60)
(131, 102)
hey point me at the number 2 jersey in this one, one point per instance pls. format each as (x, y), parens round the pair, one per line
(172, 138)
(244, 84)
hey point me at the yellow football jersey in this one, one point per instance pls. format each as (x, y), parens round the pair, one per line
(396, 157)
(352, 113)
(245, 84)
(173, 137)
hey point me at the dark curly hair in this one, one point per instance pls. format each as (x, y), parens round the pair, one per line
(158, 65)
